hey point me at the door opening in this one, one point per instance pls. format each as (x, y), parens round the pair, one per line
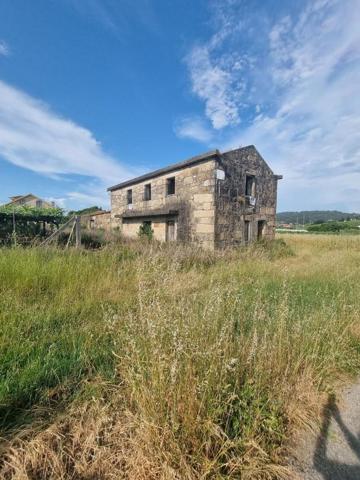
(247, 231)
(170, 231)
(261, 229)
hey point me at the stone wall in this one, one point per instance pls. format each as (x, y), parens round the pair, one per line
(193, 203)
(232, 205)
(97, 221)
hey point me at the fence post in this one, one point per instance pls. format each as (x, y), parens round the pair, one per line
(77, 231)
(14, 229)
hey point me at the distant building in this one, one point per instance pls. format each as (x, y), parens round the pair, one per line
(30, 200)
(97, 220)
(215, 200)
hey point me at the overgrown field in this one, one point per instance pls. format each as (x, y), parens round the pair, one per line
(160, 362)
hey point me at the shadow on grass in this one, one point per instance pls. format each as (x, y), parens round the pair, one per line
(328, 468)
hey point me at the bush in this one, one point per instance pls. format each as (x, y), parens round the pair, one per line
(145, 230)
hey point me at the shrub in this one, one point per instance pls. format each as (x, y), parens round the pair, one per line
(145, 230)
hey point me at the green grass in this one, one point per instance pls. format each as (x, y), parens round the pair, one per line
(216, 358)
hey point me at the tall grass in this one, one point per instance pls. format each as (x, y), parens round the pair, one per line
(150, 361)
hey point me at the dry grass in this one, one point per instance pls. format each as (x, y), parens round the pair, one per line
(159, 362)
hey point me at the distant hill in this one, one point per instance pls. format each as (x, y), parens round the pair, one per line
(313, 216)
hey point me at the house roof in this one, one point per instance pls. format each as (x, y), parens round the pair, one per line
(170, 168)
(185, 163)
(93, 214)
(15, 198)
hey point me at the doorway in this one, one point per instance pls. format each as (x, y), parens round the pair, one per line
(170, 231)
(247, 232)
(261, 229)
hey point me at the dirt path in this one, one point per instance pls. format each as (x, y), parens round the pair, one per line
(334, 454)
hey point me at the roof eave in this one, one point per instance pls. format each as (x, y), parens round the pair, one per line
(163, 171)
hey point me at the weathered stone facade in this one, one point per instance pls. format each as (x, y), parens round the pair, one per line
(97, 220)
(202, 200)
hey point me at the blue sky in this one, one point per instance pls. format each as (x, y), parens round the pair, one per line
(95, 91)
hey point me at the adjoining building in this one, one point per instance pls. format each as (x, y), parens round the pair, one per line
(100, 219)
(215, 200)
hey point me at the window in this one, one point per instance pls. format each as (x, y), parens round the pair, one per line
(129, 197)
(170, 186)
(250, 186)
(247, 231)
(38, 203)
(147, 192)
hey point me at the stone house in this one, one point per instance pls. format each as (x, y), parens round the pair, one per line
(30, 200)
(215, 200)
(97, 220)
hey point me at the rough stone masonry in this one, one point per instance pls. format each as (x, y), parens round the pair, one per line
(215, 200)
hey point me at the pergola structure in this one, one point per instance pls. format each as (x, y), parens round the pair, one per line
(23, 225)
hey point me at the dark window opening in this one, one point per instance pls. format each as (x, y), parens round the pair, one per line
(250, 186)
(147, 192)
(38, 203)
(247, 231)
(129, 197)
(170, 186)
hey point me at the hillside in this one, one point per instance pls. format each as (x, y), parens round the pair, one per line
(312, 216)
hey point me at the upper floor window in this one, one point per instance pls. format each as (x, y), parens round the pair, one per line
(147, 192)
(129, 197)
(250, 186)
(38, 203)
(170, 186)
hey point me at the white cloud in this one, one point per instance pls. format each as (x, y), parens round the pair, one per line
(194, 128)
(213, 84)
(4, 48)
(302, 85)
(34, 137)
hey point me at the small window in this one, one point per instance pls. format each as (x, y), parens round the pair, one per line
(250, 186)
(170, 186)
(147, 192)
(38, 203)
(129, 197)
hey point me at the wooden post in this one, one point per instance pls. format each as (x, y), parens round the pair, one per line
(14, 228)
(77, 231)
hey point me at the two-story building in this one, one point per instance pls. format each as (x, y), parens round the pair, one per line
(215, 200)
(30, 200)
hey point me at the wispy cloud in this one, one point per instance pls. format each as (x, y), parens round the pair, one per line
(214, 84)
(298, 99)
(32, 136)
(4, 48)
(193, 127)
(117, 17)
